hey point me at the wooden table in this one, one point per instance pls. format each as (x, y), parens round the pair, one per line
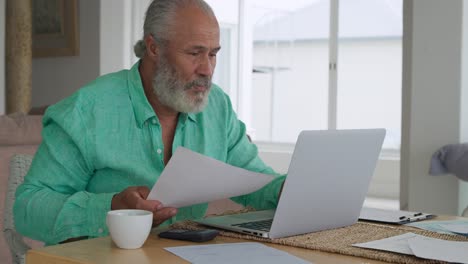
(103, 250)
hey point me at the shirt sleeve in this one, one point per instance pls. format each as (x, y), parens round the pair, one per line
(244, 154)
(52, 204)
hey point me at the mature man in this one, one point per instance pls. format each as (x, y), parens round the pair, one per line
(107, 144)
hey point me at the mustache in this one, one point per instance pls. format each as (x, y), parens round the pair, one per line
(202, 81)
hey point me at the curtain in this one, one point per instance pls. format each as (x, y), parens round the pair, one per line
(18, 56)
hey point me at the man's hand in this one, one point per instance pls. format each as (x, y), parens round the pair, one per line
(135, 198)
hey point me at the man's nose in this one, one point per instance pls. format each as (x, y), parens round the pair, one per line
(206, 66)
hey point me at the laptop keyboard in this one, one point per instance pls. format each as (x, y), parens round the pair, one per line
(262, 225)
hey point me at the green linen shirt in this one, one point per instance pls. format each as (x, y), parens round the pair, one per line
(105, 138)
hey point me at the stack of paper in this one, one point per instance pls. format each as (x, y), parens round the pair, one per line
(422, 247)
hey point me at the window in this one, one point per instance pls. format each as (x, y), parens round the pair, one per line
(296, 71)
(370, 67)
(290, 69)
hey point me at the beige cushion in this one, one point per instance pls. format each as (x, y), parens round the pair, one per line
(6, 152)
(20, 129)
(19, 134)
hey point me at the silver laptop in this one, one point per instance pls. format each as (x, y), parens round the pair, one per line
(327, 182)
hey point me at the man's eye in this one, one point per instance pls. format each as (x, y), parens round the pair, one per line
(213, 55)
(193, 53)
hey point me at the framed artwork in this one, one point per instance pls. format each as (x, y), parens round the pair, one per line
(55, 28)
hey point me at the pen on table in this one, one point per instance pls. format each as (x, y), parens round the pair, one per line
(403, 217)
(420, 217)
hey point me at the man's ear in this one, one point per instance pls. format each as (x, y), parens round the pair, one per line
(152, 49)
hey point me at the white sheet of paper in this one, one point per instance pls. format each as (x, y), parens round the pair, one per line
(422, 247)
(192, 178)
(438, 249)
(397, 244)
(248, 252)
(437, 226)
(460, 228)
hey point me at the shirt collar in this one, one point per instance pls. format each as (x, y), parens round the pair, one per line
(141, 107)
(190, 116)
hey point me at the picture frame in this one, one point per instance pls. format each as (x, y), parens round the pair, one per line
(55, 28)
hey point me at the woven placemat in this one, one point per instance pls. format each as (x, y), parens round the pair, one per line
(339, 240)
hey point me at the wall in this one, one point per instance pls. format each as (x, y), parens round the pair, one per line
(2, 57)
(432, 52)
(463, 185)
(58, 77)
(115, 23)
(121, 24)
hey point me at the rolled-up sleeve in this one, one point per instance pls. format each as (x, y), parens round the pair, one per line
(52, 204)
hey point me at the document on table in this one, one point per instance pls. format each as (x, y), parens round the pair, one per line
(248, 252)
(438, 249)
(459, 227)
(397, 244)
(422, 247)
(192, 178)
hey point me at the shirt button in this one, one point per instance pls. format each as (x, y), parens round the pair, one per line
(153, 121)
(159, 151)
(100, 230)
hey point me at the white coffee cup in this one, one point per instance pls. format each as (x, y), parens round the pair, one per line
(129, 228)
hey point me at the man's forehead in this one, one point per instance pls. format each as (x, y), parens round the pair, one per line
(195, 23)
(202, 37)
(202, 47)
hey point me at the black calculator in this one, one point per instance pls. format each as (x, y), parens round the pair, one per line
(190, 235)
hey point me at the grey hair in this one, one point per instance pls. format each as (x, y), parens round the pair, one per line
(159, 18)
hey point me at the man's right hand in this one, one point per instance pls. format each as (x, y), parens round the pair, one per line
(135, 198)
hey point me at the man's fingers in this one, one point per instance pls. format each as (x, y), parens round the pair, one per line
(163, 214)
(135, 198)
(150, 205)
(143, 191)
(139, 195)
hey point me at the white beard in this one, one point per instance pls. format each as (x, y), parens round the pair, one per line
(174, 93)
